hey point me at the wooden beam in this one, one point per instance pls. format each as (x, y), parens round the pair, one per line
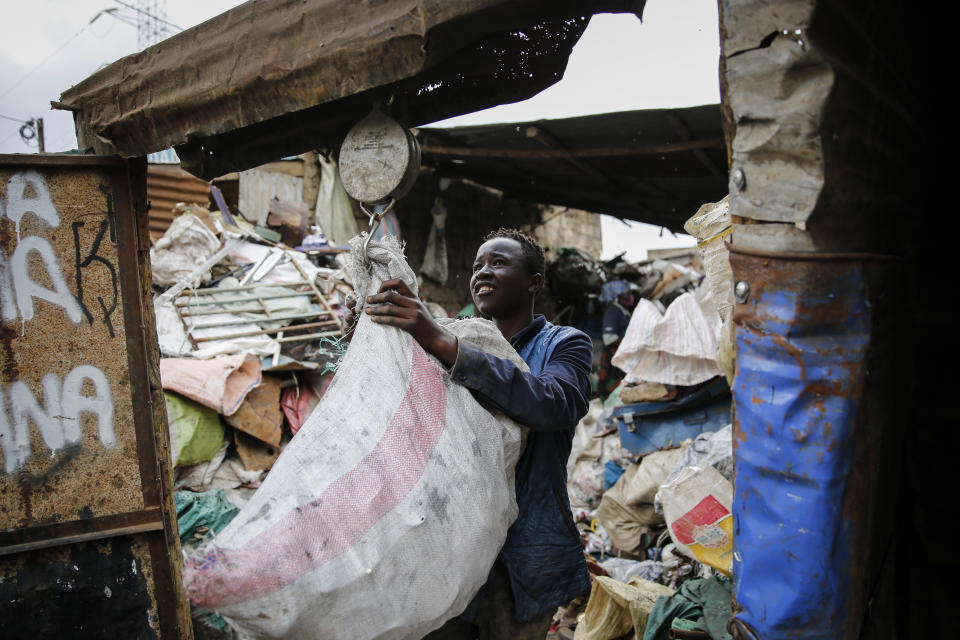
(549, 141)
(592, 152)
(684, 133)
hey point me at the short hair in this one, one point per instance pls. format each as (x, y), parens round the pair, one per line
(533, 259)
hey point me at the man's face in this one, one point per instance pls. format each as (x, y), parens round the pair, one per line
(500, 284)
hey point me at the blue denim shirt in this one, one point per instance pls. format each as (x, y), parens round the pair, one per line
(542, 553)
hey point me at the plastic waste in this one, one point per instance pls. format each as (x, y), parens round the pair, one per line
(696, 505)
(615, 608)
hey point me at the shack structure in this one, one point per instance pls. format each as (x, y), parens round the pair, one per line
(826, 113)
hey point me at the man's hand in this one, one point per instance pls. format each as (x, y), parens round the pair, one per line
(349, 321)
(394, 304)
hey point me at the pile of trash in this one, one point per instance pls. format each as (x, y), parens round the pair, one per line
(657, 531)
(650, 471)
(249, 326)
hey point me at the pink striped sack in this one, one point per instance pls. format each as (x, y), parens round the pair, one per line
(383, 515)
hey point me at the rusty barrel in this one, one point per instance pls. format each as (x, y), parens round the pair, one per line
(813, 435)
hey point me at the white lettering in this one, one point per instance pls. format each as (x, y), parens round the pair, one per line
(75, 403)
(24, 407)
(26, 289)
(8, 309)
(16, 448)
(40, 204)
(59, 419)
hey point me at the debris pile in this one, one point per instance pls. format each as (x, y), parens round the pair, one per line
(650, 471)
(249, 326)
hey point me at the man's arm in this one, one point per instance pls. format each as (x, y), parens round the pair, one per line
(555, 399)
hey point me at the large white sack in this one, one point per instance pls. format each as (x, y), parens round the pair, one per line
(678, 347)
(186, 244)
(383, 515)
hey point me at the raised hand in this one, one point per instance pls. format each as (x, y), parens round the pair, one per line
(395, 305)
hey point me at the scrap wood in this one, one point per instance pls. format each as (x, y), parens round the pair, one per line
(291, 218)
(255, 454)
(259, 415)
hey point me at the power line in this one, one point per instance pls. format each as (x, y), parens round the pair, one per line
(4, 141)
(20, 120)
(58, 50)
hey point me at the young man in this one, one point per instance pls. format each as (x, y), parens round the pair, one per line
(541, 565)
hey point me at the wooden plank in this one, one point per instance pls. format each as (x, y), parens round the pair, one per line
(593, 152)
(53, 535)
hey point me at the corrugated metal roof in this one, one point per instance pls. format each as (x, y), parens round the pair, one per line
(656, 166)
(168, 185)
(272, 79)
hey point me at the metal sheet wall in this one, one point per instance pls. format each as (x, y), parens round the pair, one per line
(258, 187)
(168, 185)
(811, 428)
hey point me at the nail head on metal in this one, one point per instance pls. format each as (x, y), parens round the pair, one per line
(738, 179)
(741, 291)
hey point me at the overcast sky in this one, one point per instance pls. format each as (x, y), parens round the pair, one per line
(669, 60)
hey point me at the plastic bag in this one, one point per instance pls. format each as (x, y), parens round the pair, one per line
(434, 264)
(696, 505)
(713, 448)
(186, 244)
(334, 211)
(616, 607)
(678, 347)
(383, 515)
(626, 510)
(710, 225)
(585, 484)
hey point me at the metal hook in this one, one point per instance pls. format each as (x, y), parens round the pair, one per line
(375, 218)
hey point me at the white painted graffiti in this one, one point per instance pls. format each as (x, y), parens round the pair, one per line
(17, 288)
(85, 390)
(58, 419)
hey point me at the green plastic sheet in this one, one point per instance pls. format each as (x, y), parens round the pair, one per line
(207, 509)
(197, 430)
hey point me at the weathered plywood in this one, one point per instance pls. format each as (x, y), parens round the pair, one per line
(87, 522)
(67, 432)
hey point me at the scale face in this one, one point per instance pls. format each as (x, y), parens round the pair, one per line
(379, 159)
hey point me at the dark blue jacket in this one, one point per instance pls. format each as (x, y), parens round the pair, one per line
(542, 553)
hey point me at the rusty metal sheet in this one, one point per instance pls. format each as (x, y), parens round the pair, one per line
(168, 185)
(261, 61)
(812, 440)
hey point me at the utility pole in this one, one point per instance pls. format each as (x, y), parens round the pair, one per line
(40, 142)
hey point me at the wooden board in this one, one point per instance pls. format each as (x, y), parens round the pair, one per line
(88, 537)
(67, 429)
